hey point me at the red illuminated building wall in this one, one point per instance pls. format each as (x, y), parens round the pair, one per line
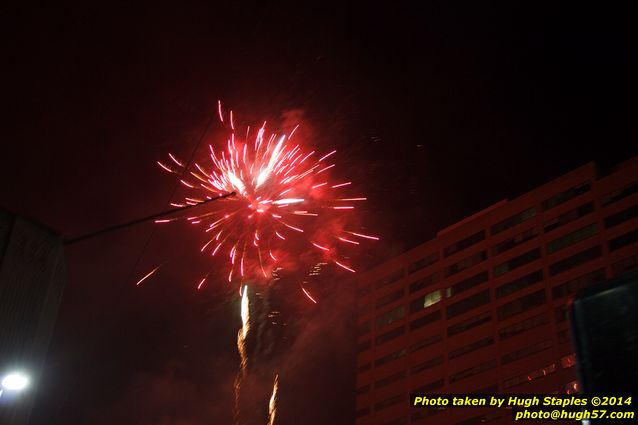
(482, 307)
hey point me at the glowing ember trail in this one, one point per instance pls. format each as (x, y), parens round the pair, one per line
(283, 198)
(241, 345)
(272, 405)
(148, 275)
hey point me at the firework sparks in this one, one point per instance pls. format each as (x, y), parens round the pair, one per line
(242, 334)
(283, 198)
(149, 274)
(272, 404)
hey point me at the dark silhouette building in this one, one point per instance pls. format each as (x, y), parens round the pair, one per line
(31, 284)
(482, 307)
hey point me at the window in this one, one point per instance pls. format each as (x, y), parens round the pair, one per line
(466, 349)
(517, 262)
(531, 376)
(389, 402)
(470, 323)
(575, 260)
(466, 263)
(428, 364)
(526, 351)
(515, 241)
(625, 265)
(490, 389)
(387, 280)
(468, 303)
(430, 386)
(390, 335)
(560, 314)
(364, 328)
(422, 283)
(425, 301)
(389, 298)
(426, 342)
(364, 290)
(389, 357)
(398, 421)
(520, 305)
(464, 243)
(422, 414)
(523, 326)
(623, 240)
(422, 321)
(481, 419)
(364, 368)
(423, 262)
(389, 379)
(466, 284)
(513, 221)
(566, 196)
(621, 217)
(520, 283)
(364, 308)
(572, 238)
(362, 346)
(363, 390)
(472, 371)
(390, 317)
(563, 336)
(362, 412)
(575, 285)
(568, 361)
(619, 194)
(569, 216)
(572, 387)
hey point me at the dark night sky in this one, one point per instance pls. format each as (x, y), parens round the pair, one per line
(438, 110)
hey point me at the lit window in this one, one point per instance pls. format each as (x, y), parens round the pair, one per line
(531, 376)
(568, 361)
(572, 387)
(425, 301)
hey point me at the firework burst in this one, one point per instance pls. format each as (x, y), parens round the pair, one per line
(285, 202)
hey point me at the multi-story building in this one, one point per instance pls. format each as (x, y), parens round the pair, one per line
(31, 284)
(482, 307)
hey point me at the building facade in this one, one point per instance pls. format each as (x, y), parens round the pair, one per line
(482, 307)
(32, 279)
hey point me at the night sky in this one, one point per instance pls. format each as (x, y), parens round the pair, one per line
(437, 110)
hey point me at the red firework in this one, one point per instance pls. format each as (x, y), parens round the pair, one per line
(283, 194)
